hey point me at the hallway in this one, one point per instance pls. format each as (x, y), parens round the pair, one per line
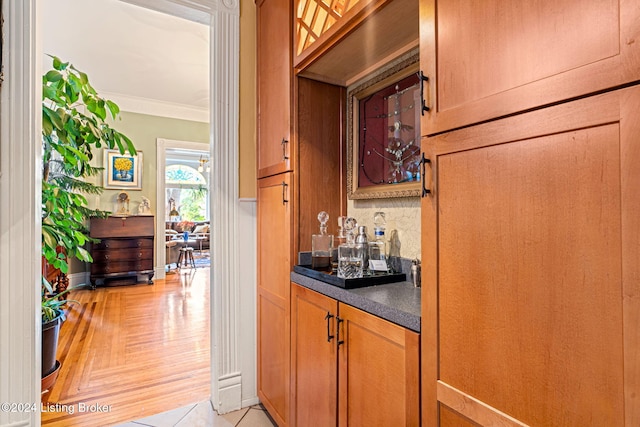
(133, 351)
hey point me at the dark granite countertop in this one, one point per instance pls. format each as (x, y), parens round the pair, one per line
(396, 302)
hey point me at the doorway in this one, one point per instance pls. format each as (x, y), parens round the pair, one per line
(233, 373)
(189, 154)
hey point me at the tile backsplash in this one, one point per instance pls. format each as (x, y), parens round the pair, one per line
(402, 214)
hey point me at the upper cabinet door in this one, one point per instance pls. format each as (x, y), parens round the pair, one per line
(493, 58)
(274, 86)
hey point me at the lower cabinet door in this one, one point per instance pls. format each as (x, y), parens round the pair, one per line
(313, 358)
(378, 371)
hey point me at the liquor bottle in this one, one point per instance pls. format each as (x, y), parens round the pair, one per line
(378, 247)
(321, 246)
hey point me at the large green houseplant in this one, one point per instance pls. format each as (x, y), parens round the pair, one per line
(74, 123)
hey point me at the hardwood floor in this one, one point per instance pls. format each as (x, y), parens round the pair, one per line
(133, 350)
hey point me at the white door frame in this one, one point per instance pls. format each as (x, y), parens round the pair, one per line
(20, 196)
(161, 165)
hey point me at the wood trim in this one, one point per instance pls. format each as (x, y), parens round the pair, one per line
(474, 409)
(630, 170)
(596, 110)
(429, 295)
(412, 362)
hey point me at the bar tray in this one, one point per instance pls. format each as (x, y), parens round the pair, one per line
(332, 279)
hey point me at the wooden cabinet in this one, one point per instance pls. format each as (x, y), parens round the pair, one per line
(494, 58)
(314, 358)
(350, 367)
(288, 206)
(125, 249)
(274, 37)
(531, 297)
(274, 266)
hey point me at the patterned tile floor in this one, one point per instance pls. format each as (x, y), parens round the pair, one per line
(202, 415)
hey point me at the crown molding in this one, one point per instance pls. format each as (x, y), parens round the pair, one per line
(154, 107)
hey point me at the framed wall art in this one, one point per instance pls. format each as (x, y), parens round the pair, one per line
(383, 137)
(122, 171)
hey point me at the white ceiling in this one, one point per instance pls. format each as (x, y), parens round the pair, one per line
(146, 61)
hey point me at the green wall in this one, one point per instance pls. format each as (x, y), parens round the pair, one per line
(143, 131)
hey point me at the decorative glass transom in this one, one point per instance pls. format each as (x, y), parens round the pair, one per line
(182, 174)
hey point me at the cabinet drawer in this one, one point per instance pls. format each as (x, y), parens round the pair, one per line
(109, 255)
(121, 266)
(131, 226)
(143, 243)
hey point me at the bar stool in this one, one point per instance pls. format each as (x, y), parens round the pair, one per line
(186, 257)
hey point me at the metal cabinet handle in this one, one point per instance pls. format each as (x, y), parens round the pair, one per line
(423, 79)
(284, 189)
(328, 318)
(340, 342)
(284, 149)
(424, 162)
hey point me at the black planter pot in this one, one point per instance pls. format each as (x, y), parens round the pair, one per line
(50, 332)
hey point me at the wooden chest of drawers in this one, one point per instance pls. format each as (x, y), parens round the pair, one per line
(125, 250)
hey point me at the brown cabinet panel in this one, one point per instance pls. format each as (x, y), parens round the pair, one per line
(274, 38)
(350, 367)
(275, 259)
(493, 58)
(379, 375)
(528, 301)
(314, 360)
(273, 314)
(321, 154)
(273, 357)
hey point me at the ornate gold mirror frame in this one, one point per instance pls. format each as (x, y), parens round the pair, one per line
(383, 132)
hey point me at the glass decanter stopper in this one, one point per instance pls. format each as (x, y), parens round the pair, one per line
(321, 245)
(350, 255)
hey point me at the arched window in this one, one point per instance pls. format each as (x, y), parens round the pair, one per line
(187, 191)
(184, 175)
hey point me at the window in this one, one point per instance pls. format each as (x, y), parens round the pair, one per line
(187, 190)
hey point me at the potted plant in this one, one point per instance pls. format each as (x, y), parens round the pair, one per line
(73, 125)
(52, 317)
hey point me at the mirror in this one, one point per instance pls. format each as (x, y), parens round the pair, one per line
(383, 133)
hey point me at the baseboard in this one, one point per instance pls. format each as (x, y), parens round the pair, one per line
(250, 402)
